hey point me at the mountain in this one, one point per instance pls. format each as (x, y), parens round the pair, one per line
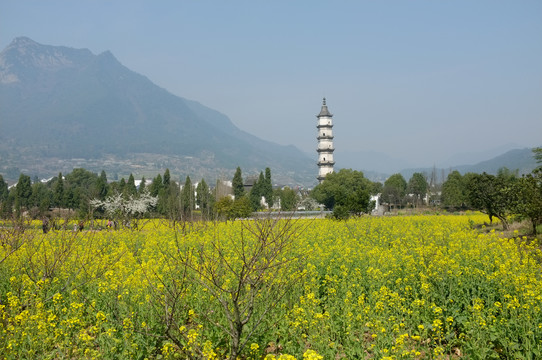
(521, 160)
(471, 158)
(63, 107)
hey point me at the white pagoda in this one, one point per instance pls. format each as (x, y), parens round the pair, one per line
(325, 142)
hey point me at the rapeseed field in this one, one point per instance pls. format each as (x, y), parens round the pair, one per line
(411, 287)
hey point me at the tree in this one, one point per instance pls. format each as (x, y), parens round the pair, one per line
(203, 198)
(169, 202)
(4, 194)
(267, 188)
(167, 178)
(102, 188)
(529, 198)
(230, 209)
(417, 186)
(491, 195)
(130, 189)
(187, 198)
(394, 190)
(246, 275)
(454, 192)
(237, 184)
(256, 193)
(288, 199)
(242, 207)
(23, 192)
(537, 153)
(81, 178)
(156, 185)
(376, 188)
(122, 186)
(123, 209)
(41, 199)
(348, 189)
(142, 185)
(80, 188)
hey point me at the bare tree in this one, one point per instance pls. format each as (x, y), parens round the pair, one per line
(247, 276)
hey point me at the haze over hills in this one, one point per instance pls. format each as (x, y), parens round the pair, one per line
(67, 107)
(62, 108)
(378, 166)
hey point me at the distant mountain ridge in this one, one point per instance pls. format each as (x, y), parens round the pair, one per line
(61, 103)
(378, 166)
(521, 160)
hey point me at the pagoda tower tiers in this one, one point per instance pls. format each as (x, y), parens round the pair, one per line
(325, 142)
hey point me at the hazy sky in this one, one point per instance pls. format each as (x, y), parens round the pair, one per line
(417, 80)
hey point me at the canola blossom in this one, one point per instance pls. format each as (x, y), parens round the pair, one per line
(413, 287)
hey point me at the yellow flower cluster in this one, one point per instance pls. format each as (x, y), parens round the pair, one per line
(372, 287)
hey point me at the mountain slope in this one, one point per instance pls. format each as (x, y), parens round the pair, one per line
(58, 102)
(521, 160)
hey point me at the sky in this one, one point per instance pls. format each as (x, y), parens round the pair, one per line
(416, 80)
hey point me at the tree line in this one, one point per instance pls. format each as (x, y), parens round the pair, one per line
(346, 193)
(86, 194)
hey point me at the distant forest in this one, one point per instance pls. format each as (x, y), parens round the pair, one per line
(85, 195)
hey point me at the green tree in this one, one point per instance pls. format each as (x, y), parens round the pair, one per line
(167, 178)
(142, 186)
(130, 188)
(242, 207)
(187, 198)
(229, 209)
(417, 186)
(237, 184)
(122, 186)
(203, 198)
(376, 188)
(537, 154)
(491, 195)
(156, 185)
(529, 198)
(23, 193)
(288, 199)
(348, 189)
(80, 184)
(4, 194)
(102, 187)
(256, 193)
(224, 208)
(454, 191)
(171, 201)
(394, 190)
(41, 198)
(59, 196)
(267, 188)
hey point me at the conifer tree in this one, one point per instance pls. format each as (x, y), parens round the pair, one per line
(3, 189)
(167, 178)
(130, 189)
(102, 188)
(256, 193)
(156, 185)
(267, 188)
(237, 184)
(23, 192)
(187, 197)
(142, 185)
(58, 192)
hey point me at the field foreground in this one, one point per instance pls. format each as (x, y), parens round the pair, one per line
(416, 287)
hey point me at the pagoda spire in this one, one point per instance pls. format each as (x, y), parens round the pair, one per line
(325, 142)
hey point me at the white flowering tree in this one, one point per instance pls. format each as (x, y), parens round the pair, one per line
(126, 210)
